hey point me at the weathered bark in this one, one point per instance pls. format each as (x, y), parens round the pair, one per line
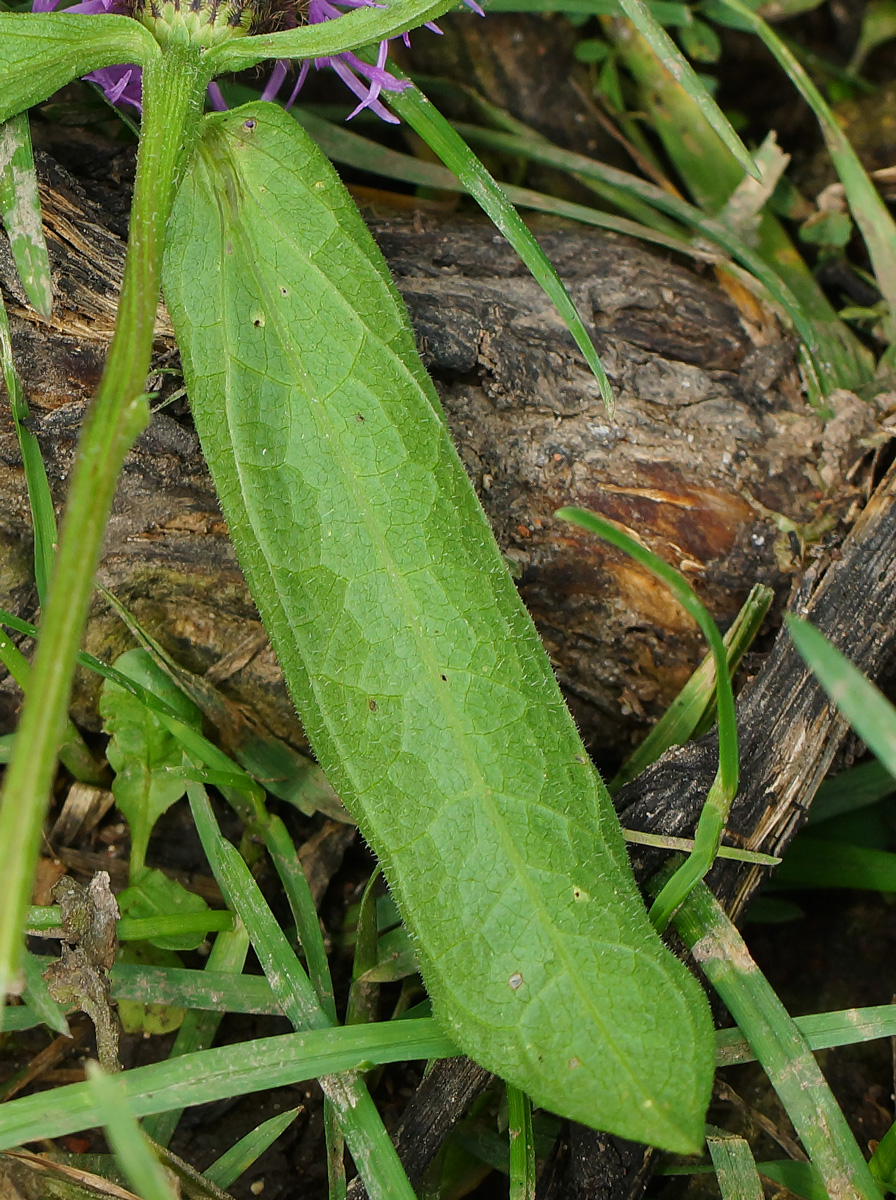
(709, 434)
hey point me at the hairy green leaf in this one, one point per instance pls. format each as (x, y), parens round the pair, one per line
(419, 676)
(41, 52)
(145, 756)
(353, 30)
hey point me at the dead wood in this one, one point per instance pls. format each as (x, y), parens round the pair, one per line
(709, 440)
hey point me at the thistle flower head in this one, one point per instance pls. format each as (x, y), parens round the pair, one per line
(213, 21)
(208, 22)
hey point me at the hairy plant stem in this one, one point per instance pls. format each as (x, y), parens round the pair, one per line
(173, 88)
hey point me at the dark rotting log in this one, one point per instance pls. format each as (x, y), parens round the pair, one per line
(709, 441)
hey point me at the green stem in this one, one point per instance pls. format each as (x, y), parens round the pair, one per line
(778, 1044)
(173, 86)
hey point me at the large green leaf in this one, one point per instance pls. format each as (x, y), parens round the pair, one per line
(40, 52)
(419, 676)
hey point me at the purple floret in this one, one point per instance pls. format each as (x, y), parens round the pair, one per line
(122, 84)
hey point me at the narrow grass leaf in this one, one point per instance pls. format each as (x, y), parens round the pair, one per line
(664, 842)
(224, 963)
(183, 924)
(821, 1031)
(131, 929)
(871, 213)
(364, 1132)
(216, 991)
(883, 1160)
(735, 1166)
(212, 989)
(301, 902)
(522, 1144)
(851, 790)
(693, 708)
(441, 137)
(864, 706)
(364, 993)
(712, 176)
(782, 1050)
(151, 895)
(677, 65)
(818, 862)
(239, 1158)
(801, 1178)
(284, 972)
(665, 11)
(227, 1071)
(20, 212)
(711, 824)
(713, 229)
(146, 1174)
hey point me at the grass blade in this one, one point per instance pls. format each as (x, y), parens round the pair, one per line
(864, 706)
(441, 137)
(371, 1147)
(735, 1166)
(851, 790)
(226, 960)
(20, 211)
(694, 705)
(871, 214)
(227, 1071)
(821, 1031)
(818, 862)
(711, 825)
(713, 177)
(301, 902)
(677, 65)
(712, 229)
(240, 1157)
(780, 1047)
(522, 1145)
(143, 1169)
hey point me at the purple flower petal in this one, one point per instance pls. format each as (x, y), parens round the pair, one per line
(123, 84)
